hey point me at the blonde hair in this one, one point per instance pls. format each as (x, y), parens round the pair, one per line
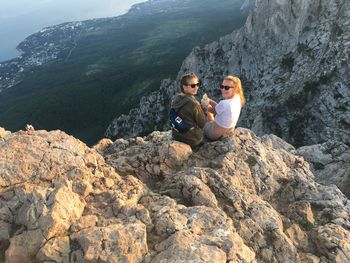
(238, 87)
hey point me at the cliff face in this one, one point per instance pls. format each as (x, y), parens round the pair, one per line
(293, 59)
(151, 199)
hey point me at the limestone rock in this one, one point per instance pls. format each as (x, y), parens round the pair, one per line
(149, 158)
(334, 242)
(330, 163)
(24, 247)
(113, 243)
(277, 143)
(198, 233)
(63, 208)
(297, 236)
(3, 133)
(56, 250)
(102, 145)
(151, 199)
(53, 186)
(268, 193)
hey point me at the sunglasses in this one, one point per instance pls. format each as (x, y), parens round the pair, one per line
(193, 85)
(226, 87)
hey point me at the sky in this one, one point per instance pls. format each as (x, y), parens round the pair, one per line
(21, 18)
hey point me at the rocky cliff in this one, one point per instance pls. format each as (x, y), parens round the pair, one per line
(293, 59)
(152, 199)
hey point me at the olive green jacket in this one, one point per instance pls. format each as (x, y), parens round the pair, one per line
(191, 111)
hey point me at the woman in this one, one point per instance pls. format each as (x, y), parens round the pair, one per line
(190, 110)
(227, 111)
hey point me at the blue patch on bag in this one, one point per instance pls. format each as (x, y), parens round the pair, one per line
(177, 123)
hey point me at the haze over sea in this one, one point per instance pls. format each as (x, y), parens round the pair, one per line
(21, 18)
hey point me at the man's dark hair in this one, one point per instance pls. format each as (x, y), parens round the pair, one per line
(185, 78)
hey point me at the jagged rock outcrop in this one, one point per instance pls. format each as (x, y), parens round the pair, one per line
(60, 202)
(3, 133)
(330, 163)
(293, 59)
(152, 199)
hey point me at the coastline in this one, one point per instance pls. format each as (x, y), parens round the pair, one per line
(10, 51)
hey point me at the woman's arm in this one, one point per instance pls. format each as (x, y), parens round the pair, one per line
(210, 111)
(199, 116)
(212, 103)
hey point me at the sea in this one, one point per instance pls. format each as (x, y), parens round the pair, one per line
(21, 18)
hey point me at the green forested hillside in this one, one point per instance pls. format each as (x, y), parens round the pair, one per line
(110, 69)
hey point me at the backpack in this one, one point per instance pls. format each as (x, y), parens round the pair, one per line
(177, 123)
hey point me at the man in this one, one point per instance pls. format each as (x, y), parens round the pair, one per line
(190, 110)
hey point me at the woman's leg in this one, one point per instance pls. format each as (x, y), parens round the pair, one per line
(210, 116)
(209, 131)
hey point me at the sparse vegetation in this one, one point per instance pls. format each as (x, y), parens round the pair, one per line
(311, 87)
(337, 31)
(287, 62)
(344, 123)
(318, 166)
(303, 48)
(251, 161)
(297, 130)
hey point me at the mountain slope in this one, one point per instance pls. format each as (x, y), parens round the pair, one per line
(292, 57)
(78, 76)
